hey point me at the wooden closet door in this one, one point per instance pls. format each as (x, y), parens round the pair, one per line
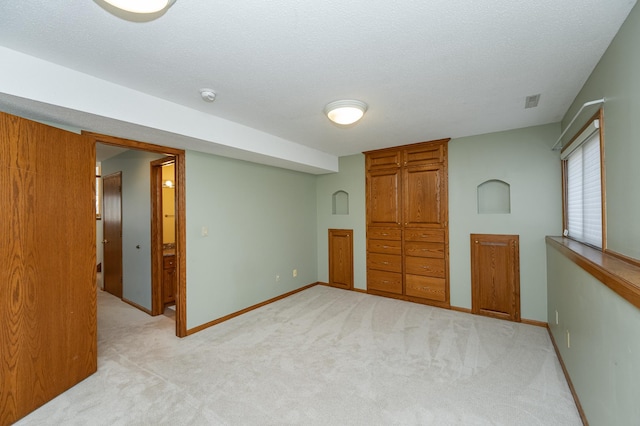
(47, 264)
(425, 196)
(383, 198)
(495, 276)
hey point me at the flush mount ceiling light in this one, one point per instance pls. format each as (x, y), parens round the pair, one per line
(346, 111)
(142, 6)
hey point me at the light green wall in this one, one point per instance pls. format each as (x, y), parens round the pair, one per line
(351, 179)
(522, 158)
(616, 78)
(136, 220)
(603, 360)
(261, 222)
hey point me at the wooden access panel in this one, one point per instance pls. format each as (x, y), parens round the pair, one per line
(341, 258)
(47, 264)
(495, 276)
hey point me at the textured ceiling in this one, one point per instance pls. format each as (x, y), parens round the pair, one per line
(427, 69)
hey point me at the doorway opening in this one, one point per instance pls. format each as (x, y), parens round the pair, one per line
(154, 244)
(163, 236)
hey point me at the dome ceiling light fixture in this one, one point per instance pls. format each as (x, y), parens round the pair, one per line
(346, 111)
(142, 6)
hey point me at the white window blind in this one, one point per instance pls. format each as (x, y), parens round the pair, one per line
(584, 193)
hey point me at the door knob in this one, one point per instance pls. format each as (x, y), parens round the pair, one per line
(104, 241)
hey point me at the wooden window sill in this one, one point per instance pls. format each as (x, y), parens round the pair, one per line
(620, 276)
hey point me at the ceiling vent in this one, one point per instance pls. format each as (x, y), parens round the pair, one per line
(532, 101)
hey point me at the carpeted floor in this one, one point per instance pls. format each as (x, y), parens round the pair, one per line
(323, 356)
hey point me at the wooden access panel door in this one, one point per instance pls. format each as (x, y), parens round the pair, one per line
(341, 258)
(112, 233)
(495, 276)
(47, 264)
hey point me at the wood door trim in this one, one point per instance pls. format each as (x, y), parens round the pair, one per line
(181, 239)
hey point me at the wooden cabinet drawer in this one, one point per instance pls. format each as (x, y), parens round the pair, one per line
(169, 262)
(391, 282)
(383, 159)
(412, 248)
(426, 287)
(426, 235)
(424, 266)
(384, 234)
(384, 246)
(384, 262)
(425, 154)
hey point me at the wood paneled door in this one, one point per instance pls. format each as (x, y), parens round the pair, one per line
(47, 264)
(341, 258)
(112, 233)
(495, 276)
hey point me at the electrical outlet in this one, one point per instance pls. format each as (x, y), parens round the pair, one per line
(295, 273)
(568, 339)
(205, 231)
(277, 278)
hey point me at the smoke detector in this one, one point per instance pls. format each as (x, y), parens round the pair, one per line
(208, 95)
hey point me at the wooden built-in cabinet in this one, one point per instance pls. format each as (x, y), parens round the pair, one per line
(407, 222)
(169, 281)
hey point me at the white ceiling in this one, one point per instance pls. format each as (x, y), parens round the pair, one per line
(428, 69)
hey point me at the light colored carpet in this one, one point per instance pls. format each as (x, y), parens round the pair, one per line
(323, 356)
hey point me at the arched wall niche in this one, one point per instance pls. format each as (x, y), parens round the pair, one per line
(340, 202)
(494, 197)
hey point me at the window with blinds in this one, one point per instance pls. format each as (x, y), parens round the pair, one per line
(583, 205)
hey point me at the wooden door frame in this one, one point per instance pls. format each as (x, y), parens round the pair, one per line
(157, 304)
(181, 246)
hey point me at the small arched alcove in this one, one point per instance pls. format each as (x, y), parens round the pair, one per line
(340, 202)
(494, 197)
